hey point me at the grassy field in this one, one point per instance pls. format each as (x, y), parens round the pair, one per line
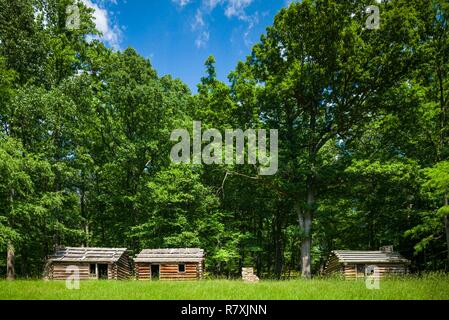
(416, 288)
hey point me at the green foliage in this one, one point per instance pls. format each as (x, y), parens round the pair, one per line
(430, 229)
(362, 119)
(438, 178)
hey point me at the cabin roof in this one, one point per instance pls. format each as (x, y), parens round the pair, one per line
(97, 255)
(349, 256)
(170, 255)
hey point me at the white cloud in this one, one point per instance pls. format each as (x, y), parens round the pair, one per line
(211, 4)
(252, 22)
(199, 25)
(236, 8)
(181, 3)
(202, 39)
(198, 22)
(111, 31)
(231, 9)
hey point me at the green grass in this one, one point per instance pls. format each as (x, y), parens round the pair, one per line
(429, 287)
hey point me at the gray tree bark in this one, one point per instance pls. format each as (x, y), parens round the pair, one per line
(305, 218)
(10, 273)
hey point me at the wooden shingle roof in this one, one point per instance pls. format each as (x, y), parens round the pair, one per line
(95, 255)
(349, 256)
(170, 255)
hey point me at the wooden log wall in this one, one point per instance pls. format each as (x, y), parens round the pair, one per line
(170, 272)
(350, 272)
(112, 272)
(392, 270)
(385, 270)
(143, 271)
(123, 268)
(58, 271)
(200, 270)
(333, 265)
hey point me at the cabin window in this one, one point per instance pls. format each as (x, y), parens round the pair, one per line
(181, 268)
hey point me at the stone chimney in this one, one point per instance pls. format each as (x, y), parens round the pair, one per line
(386, 249)
(249, 276)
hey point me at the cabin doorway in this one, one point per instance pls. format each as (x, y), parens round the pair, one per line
(103, 271)
(155, 271)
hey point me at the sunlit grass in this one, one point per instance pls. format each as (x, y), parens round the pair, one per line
(416, 288)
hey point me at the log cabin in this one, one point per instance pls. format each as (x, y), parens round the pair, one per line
(92, 263)
(170, 264)
(353, 264)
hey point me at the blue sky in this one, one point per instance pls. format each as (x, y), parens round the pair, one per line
(178, 35)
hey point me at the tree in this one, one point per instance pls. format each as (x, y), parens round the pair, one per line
(432, 81)
(31, 212)
(213, 103)
(437, 184)
(36, 43)
(320, 74)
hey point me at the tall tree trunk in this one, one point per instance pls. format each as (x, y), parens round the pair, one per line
(305, 218)
(259, 259)
(277, 228)
(83, 210)
(446, 227)
(306, 246)
(305, 252)
(87, 232)
(10, 273)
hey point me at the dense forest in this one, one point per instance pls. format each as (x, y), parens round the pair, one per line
(363, 141)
